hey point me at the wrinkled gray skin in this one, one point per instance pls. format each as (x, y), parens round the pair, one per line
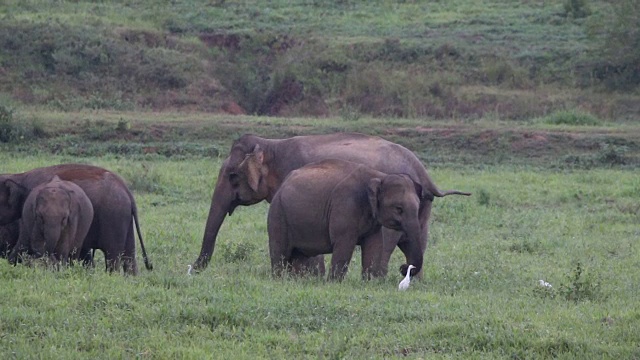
(114, 210)
(256, 167)
(56, 217)
(333, 205)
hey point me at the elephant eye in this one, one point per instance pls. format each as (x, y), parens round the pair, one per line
(399, 210)
(234, 179)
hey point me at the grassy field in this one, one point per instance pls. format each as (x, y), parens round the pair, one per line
(574, 227)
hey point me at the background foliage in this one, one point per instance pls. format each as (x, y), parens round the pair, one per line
(457, 59)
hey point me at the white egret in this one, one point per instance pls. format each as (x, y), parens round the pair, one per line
(404, 284)
(189, 269)
(545, 284)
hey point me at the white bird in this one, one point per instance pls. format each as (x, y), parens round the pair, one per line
(545, 284)
(189, 269)
(404, 284)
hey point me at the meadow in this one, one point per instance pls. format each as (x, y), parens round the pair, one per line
(530, 105)
(479, 298)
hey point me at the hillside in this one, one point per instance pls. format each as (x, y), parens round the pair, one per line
(413, 59)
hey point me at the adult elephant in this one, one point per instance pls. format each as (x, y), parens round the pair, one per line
(56, 217)
(256, 167)
(334, 205)
(115, 211)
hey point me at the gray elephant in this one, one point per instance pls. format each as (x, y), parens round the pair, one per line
(56, 217)
(333, 205)
(114, 210)
(256, 167)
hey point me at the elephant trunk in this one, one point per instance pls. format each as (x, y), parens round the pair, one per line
(222, 202)
(51, 234)
(412, 248)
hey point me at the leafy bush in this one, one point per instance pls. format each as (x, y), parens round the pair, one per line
(572, 117)
(577, 8)
(616, 46)
(610, 154)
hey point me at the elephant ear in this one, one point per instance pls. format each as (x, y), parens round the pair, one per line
(252, 164)
(420, 190)
(372, 191)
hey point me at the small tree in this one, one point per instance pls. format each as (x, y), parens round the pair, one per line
(616, 35)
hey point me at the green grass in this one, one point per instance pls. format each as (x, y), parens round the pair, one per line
(479, 297)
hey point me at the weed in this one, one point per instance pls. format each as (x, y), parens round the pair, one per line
(237, 251)
(483, 198)
(610, 154)
(7, 127)
(577, 8)
(350, 113)
(572, 117)
(581, 286)
(143, 179)
(123, 125)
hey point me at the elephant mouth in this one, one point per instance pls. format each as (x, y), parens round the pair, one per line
(394, 225)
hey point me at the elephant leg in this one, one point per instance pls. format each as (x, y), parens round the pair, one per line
(344, 243)
(313, 265)
(371, 253)
(129, 263)
(86, 256)
(279, 250)
(112, 261)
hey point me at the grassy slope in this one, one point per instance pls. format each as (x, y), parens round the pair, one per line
(460, 58)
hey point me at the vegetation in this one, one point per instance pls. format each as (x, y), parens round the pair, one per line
(530, 105)
(479, 297)
(435, 59)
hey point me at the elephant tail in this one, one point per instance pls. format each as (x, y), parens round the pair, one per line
(451, 192)
(147, 262)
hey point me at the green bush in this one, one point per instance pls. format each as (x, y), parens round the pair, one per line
(615, 52)
(577, 8)
(572, 117)
(7, 129)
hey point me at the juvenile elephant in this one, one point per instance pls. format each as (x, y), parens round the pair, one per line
(56, 217)
(114, 210)
(333, 205)
(256, 167)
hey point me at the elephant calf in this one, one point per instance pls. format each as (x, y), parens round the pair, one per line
(55, 221)
(333, 205)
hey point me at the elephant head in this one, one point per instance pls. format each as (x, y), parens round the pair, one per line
(247, 179)
(395, 202)
(12, 197)
(51, 213)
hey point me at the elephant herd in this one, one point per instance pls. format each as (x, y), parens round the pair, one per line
(328, 194)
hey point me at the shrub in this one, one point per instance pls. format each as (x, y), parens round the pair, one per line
(616, 46)
(572, 117)
(610, 154)
(577, 8)
(7, 128)
(237, 251)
